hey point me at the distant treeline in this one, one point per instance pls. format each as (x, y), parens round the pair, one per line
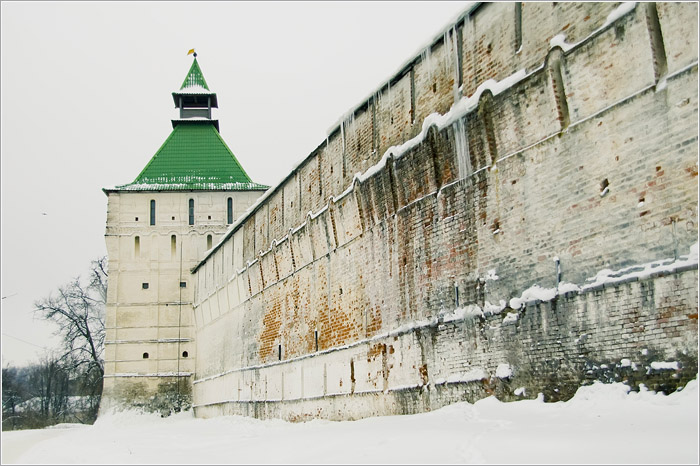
(47, 393)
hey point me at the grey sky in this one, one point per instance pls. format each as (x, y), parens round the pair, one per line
(86, 102)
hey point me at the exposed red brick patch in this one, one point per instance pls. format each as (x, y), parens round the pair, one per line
(271, 327)
(376, 350)
(423, 370)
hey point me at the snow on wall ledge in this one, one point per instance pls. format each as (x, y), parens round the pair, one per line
(458, 263)
(551, 349)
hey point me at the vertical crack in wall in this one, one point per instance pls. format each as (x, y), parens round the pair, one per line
(331, 210)
(518, 26)
(657, 41)
(291, 246)
(359, 202)
(375, 126)
(413, 95)
(352, 375)
(434, 144)
(554, 67)
(485, 110)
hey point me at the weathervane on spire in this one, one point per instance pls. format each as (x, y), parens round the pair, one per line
(192, 52)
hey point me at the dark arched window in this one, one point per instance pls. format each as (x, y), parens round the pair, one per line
(229, 210)
(145, 355)
(209, 241)
(185, 354)
(191, 211)
(173, 246)
(153, 212)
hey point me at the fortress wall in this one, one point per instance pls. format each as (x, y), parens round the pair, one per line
(545, 349)
(485, 38)
(584, 160)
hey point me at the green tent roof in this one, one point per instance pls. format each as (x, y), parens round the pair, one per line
(194, 77)
(194, 157)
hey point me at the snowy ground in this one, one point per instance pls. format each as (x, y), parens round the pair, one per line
(601, 424)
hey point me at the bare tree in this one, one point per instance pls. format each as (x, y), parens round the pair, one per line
(48, 382)
(12, 396)
(79, 309)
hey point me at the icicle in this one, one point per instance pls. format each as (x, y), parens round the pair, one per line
(342, 134)
(452, 52)
(464, 164)
(351, 124)
(447, 43)
(426, 58)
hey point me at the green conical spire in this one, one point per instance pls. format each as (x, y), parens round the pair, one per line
(194, 157)
(194, 77)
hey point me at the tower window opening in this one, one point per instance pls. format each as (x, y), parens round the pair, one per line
(316, 338)
(229, 210)
(172, 218)
(137, 246)
(144, 286)
(153, 212)
(183, 284)
(209, 241)
(136, 219)
(191, 211)
(173, 246)
(145, 355)
(279, 352)
(185, 354)
(209, 217)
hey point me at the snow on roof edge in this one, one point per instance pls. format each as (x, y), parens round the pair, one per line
(469, 8)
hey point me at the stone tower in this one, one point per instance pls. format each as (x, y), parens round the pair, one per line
(158, 227)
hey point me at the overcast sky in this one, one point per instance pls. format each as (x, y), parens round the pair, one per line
(86, 102)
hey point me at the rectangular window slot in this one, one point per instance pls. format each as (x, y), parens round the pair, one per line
(144, 286)
(279, 352)
(183, 284)
(153, 212)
